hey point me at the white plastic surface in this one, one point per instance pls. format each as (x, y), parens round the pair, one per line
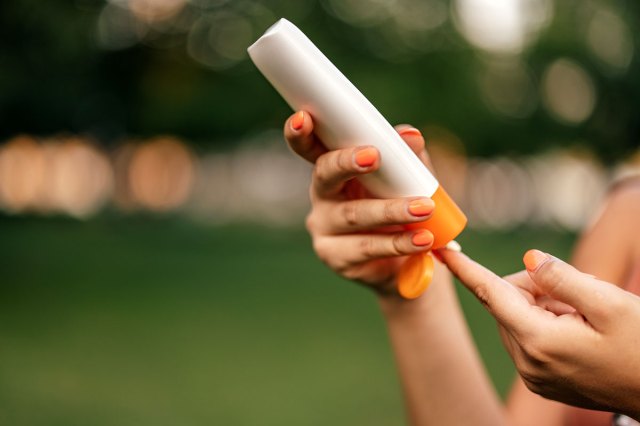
(343, 117)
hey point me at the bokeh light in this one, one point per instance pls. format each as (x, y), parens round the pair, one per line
(508, 87)
(502, 26)
(79, 178)
(220, 40)
(161, 174)
(117, 28)
(610, 40)
(61, 175)
(22, 174)
(568, 92)
(499, 194)
(394, 30)
(567, 186)
(154, 10)
(260, 182)
(74, 176)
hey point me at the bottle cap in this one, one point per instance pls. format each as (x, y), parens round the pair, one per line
(447, 220)
(445, 224)
(415, 275)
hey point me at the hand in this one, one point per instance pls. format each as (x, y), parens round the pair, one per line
(573, 338)
(359, 237)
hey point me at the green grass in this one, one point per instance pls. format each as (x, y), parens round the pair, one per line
(144, 321)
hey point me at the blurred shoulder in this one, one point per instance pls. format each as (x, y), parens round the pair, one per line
(623, 208)
(622, 201)
(626, 191)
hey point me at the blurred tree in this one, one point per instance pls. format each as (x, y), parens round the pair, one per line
(143, 67)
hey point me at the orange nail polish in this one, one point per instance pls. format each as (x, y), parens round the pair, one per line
(410, 131)
(422, 238)
(533, 259)
(298, 120)
(365, 157)
(421, 207)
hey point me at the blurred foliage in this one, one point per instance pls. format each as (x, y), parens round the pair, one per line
(56, 77)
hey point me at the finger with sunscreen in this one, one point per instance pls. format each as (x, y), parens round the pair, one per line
(502, 299)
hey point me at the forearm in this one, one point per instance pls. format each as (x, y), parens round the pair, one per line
(443, 378)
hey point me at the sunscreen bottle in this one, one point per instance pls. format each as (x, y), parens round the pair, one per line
(343, 118)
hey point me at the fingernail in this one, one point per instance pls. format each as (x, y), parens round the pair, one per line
(365, 157)
(422, 238)
(533, 259)
(298, 120)
(410, 131)
(421, 207)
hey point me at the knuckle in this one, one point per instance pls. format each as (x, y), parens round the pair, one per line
(349, 273)
(350, 214)
(535, 347)
(320, 173)
(389, 211)
(483, 295)
(310, 222)
(553, 270)
(321, 249)
(552, 273)
(367, 247)
(344, 161)
(531, 378)
(398, 245)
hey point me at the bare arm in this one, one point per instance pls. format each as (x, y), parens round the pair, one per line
(443, 378)
(610, 245)
(363, 239)
(606, 249)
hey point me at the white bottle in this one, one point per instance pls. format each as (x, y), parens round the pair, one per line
(343, 117)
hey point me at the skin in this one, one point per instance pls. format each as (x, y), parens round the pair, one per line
(573, 337)
(562, 342)
(344, 214)
(608, 248)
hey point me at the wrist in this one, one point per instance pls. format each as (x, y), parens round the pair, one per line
(393, 306)
(439, 297)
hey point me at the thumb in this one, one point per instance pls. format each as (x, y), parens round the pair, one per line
(563, 282)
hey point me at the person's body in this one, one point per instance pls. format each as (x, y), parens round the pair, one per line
(609, 248)
(443, 379)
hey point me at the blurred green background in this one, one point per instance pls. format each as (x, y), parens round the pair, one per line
(146, 279)
(160, 322)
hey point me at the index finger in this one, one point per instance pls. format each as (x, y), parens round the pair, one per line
(500, 298)
(298, 132)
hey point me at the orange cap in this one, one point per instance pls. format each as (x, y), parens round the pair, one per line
(415, 275)
(446, 222)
